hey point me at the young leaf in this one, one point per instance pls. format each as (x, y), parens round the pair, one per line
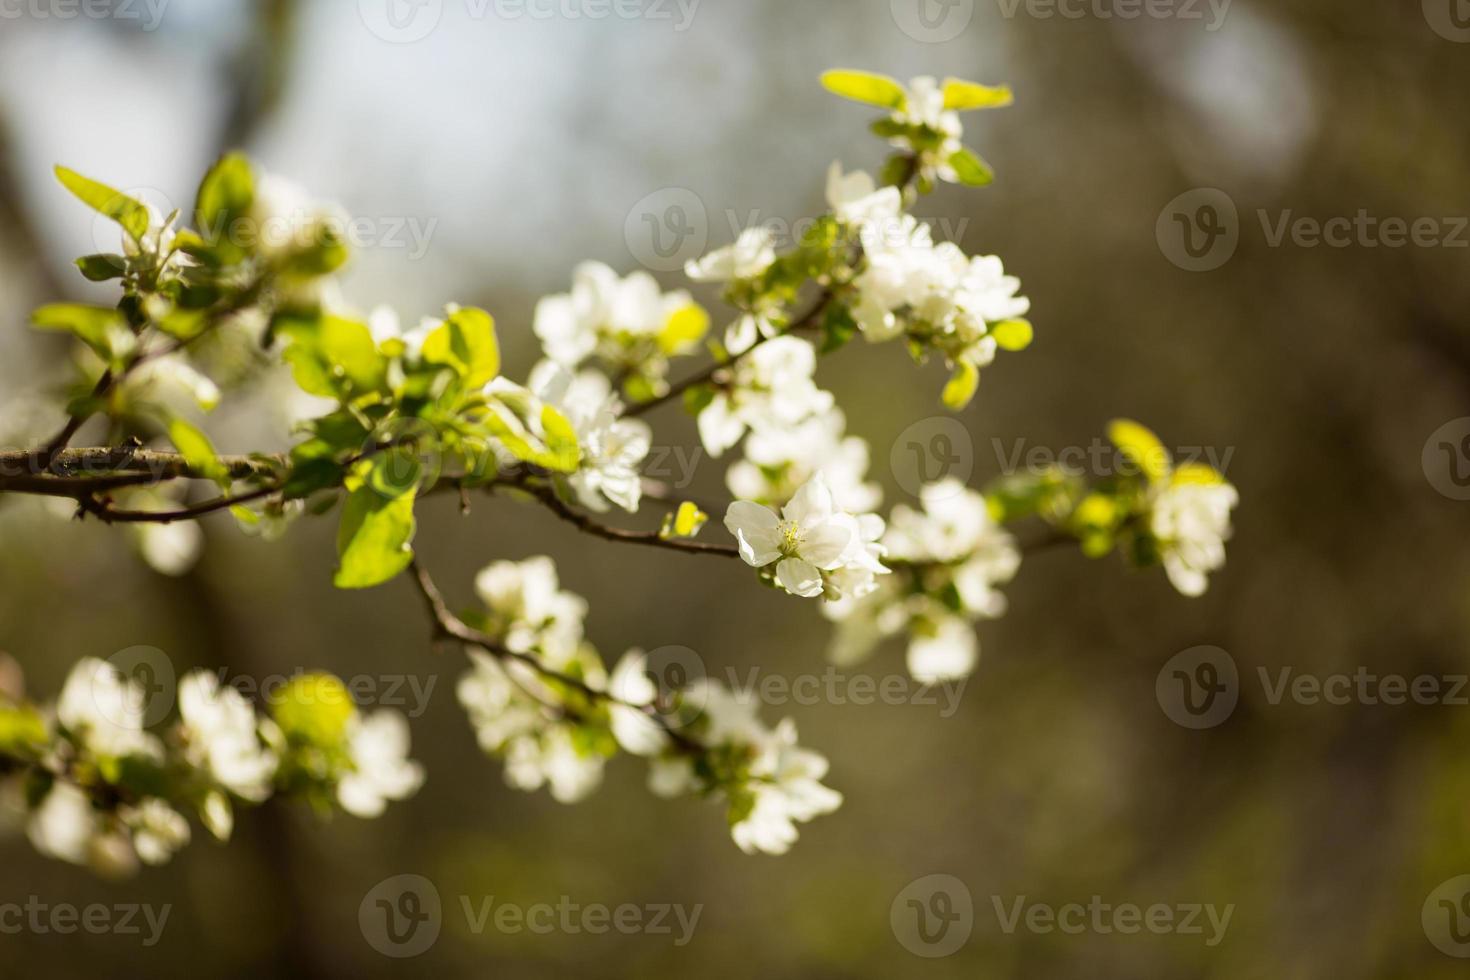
(866, 87)
(686, 327)
(963, 96)
(466, 342)
(970, 169)
(197, 451)
(332, 356)
(225, 196)
(99, 328)
(962, 386)
(130, 213)
(101, 268)
(374, 538)
(1012, 335)
(1141, 447)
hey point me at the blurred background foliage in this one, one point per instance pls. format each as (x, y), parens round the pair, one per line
(1324, 370)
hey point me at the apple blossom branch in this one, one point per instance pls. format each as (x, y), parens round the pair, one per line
(449, 626)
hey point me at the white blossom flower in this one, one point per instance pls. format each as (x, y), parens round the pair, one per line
(378, 745)
(787, 789)
(629, 322)
(857, 200)
(287, 220)
(221, 737)
(924, 106)
(64, 825)
(159, 831)
(173, 383)
(779, 460)
(632, 689)
(554, 760)
(945, 650)
(613, 448)
(104, 711)
(806, 538)
(385, 325)
(771, 387)
(748, 256)
(1191, 522)
(530, 611)
(501, 699)
(170, 549)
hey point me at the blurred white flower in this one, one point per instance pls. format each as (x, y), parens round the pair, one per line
(771, 387)
(1191, 522)
(378, 744)
(221, 737)
(747, 257)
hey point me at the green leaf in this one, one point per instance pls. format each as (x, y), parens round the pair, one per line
(131, 214)
(226, 195)
(316, 709)
(866, 87)
(564, 452)
(333, 357)
(466, 342)
(197, 451)
(101, 268)
(963, 96)
(970, 169)
(1012, 335)
(698, 398)
(373, 540)
(962, 386)
(686, 327)
(396, 471)
(100, 328)
(1141, 447)
(686, 522)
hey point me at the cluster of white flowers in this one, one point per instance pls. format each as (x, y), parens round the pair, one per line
(811, 547)
(1190, 522)
(779, 461)
(613, 448)
(770, 782)
(925, 107)
(556, 727)
(953, 556)
(934, 293)
(628, 324)
(219, 751)
(770, 388)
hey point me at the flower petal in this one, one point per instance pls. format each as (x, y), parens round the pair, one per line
(799, 578)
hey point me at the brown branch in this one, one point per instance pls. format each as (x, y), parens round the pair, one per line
(652, 539)
(108, 515)
(807, 322)
(449, 626)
